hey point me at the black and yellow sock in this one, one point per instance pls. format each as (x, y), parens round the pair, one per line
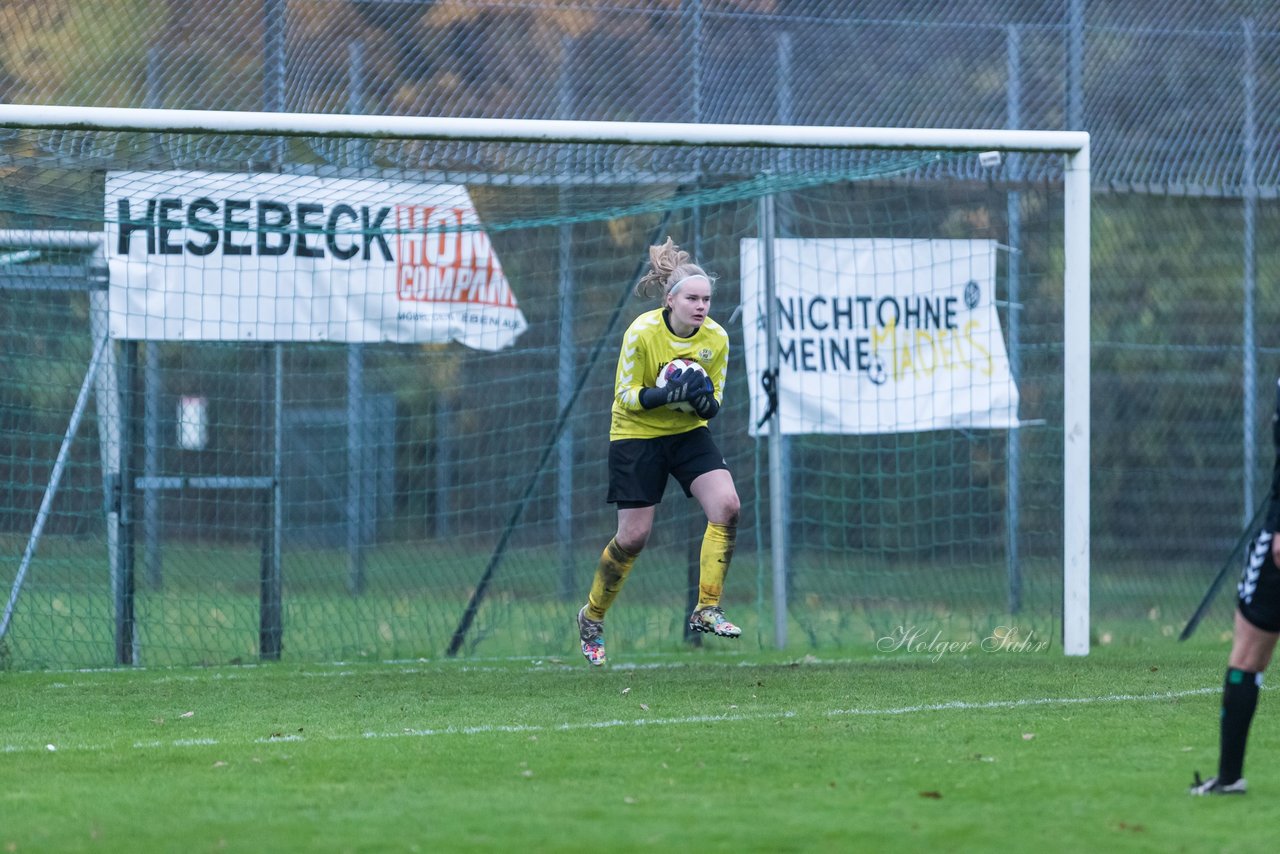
(1239, 699)
(611, 574)
(713, 562)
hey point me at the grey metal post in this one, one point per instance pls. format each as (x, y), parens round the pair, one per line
(271, 601)
(1250, 356)
(122, 586)
(273, 68)
(151, 445)
(444, 464)
(565, 382)
(1014, 209)
(779, 518)
(357, 100)
(356, 474)
(786, 116)
(277, 488)
(273, 63)
(783, 226)
(152, 389)
(566, 367)
(785, 97)
(691, 12)
(271, 627)
(1075, 65)
(358, 497)
(692, 16)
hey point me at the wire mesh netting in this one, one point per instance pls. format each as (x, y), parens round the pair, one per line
(284, 478)
(1166, 88)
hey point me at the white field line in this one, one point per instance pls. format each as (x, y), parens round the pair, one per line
(892, 711)
(402, 667)
(963, 705)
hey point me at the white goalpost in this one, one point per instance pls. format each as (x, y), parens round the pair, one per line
(205, 234)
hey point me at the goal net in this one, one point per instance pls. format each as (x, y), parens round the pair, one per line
(318, 389)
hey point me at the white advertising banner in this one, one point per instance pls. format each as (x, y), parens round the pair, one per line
(205, 256)
(878, 335)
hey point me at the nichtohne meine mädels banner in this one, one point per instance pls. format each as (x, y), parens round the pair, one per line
(878, 335)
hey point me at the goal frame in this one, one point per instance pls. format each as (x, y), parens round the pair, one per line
(1073, 145)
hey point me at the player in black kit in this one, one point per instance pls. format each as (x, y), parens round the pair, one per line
(1257, 626)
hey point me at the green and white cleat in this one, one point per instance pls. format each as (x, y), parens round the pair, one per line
(711, 620)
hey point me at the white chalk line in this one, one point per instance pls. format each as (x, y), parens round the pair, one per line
(687, 720)
(962, 705)
(402, 667)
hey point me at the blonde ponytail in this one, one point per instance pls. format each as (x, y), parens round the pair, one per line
(668, 264)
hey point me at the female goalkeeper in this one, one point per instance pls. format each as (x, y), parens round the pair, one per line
(652, 435)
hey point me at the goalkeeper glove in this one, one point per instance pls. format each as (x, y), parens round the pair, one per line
(705, 404)
(678, 388)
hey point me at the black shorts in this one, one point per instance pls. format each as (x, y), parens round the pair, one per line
(638, 468)
(1258, 593)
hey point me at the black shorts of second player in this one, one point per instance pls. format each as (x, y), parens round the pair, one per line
(638, 468)
(1258, 593)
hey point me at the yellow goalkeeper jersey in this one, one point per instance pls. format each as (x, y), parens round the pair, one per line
(648, 345)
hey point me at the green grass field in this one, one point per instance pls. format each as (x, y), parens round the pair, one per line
(707, 750)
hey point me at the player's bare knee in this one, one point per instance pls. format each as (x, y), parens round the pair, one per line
(631, 542)
(1252, 647)
(1252, 658)
(726, 512)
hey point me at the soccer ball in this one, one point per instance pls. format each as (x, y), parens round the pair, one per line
(669, 369)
